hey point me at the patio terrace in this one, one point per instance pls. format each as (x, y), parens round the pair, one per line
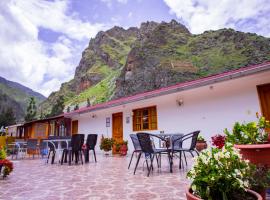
(109, 178)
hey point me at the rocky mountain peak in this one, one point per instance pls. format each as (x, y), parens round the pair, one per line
(120, 62)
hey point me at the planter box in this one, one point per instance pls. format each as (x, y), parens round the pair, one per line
(190, 196)
(255, 153)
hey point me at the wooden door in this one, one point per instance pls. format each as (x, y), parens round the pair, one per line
(74, 127)
(264, 95)
(117, 127)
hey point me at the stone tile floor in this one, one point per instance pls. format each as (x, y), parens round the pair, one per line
(109, 178)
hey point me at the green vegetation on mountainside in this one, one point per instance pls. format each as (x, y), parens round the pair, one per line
(153, 56)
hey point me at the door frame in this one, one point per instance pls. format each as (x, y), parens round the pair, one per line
(113, 126)
(261, 98)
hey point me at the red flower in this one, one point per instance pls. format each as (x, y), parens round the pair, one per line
(218, 140)
(7, 163)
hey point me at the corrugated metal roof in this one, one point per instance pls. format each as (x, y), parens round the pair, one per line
(243, 71)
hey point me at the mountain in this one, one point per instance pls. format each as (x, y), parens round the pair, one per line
(122, 62)
(16, 96)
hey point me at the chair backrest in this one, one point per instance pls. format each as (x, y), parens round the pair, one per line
(135, 141)
(32, 144)
(145, 142)
(91, 141)
(77, 141)
(193, 136)
(176, 141)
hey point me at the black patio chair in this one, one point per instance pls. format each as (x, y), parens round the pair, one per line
(91, 142)
(136, 145)
(75, 148)
(32, 147)
(149, 151)
(43, 148)
(177, 145)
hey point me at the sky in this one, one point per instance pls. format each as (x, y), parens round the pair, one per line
(41, 41)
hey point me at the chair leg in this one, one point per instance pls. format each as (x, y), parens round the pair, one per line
(53, 157)
(151, 164)
(157, 158)
(48, 156)
(81, 157)
(131, 159)
(138, 159)
(95, 155)
(185, 157)
(180, 157)
(70, 154)
(63, 155)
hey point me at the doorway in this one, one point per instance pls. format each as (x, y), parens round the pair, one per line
(117, 127)
(264, 95)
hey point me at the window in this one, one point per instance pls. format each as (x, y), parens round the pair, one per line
(145, 119)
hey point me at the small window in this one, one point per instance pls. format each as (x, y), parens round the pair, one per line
(145, 119)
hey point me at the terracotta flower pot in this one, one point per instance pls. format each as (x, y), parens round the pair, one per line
(190, 196)
(255, 153)
(201, 145)
(123, 150)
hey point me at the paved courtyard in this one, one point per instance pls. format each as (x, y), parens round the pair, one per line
(109, 178)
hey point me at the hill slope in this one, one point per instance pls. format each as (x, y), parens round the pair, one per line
(122, 62)
(16, 96)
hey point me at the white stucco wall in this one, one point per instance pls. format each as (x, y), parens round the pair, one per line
(204, 109)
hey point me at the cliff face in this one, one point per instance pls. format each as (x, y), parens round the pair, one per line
(121, 62)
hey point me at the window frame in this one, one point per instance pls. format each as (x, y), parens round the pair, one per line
(151, 116)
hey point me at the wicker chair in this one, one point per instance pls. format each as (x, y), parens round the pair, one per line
(177, 145)
(149, 151)
(136, 145)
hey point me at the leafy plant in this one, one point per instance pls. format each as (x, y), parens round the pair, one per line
(200, 138)
(218, 141)
(249, 133)
(106, 144)
(218, 173)
(3, 154)
(260, 179)
(118, 145)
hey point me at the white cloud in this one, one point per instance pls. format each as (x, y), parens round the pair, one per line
(25, 58)
(130, 14)
(110, 2)
(244, 15)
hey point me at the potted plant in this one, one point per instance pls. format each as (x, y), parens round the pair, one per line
(6, 166)
(201, 143)
(106, 144)
(124, 148)
(260, 180)
(218, 141)
(252, 140)
(220, 174)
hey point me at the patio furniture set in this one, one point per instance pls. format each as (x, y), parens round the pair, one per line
(62, 148)
(173, 144)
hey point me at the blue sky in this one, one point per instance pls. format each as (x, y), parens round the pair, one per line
(41, 41)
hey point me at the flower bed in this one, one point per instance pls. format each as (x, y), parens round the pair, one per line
(6, 166)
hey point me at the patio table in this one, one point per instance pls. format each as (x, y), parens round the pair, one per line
(20, 146)
(58, 149)
(168, 137)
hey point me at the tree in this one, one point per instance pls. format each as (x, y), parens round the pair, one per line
(7, 117)
(58, 107)
(31, 110)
